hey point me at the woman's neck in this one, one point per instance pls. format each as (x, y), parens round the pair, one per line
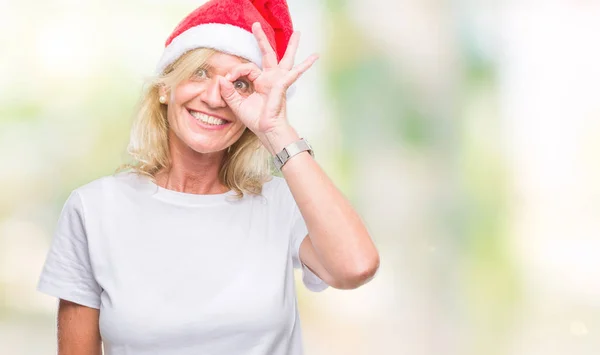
(192, 172)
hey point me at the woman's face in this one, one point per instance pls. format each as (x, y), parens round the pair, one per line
(197, 114)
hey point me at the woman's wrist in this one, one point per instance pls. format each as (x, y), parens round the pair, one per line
(279, 138)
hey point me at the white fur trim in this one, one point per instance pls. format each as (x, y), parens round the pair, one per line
(223, 37)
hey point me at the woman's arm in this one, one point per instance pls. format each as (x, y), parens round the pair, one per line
(339, 248)
(342, 250)
(78, 329)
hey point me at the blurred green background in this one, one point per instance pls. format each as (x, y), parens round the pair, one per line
(466, 133)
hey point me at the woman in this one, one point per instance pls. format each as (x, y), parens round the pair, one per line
(192, 250)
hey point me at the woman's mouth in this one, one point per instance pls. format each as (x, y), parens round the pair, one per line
(207, 121)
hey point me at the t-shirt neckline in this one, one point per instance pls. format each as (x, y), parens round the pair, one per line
(185, 198)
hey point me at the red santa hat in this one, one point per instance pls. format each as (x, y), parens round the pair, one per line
(226, 25)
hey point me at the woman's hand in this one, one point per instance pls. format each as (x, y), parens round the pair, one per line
(264, 111)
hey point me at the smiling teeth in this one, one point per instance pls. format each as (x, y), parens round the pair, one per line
(207, 119)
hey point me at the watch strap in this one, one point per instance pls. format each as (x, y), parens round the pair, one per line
(290, 150)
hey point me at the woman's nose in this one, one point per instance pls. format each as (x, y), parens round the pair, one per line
(212, 93)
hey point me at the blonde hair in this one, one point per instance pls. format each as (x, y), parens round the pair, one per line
(245, 166)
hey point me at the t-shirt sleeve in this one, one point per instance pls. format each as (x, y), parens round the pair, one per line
(67, 272)
(299, 231)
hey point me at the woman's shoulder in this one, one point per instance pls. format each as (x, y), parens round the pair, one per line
(277, 189)
(115, 182)
(274, 186)
(272, 182)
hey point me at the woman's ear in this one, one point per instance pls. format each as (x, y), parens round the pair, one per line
(163, 93)
(162, 90)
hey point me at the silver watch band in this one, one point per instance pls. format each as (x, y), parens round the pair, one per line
(290, 150)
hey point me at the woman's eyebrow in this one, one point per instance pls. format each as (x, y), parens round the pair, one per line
(211, 68)
(207, 67)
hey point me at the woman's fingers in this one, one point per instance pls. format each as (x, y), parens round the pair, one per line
(295, 73)
(269, 55)
(287, 62)
(249, 70)
(230, 94)
(277, 80)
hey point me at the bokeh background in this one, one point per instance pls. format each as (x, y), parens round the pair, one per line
(466, 133)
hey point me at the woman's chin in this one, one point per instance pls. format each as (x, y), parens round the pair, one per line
(204, 148)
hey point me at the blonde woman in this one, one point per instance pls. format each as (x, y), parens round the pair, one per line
(191, 250)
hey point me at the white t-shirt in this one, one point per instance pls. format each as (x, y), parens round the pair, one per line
(178, 273)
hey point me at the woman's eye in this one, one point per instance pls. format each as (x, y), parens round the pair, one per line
(201, 73)
(241, 85)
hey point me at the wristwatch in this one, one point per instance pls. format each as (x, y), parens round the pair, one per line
(290, 150)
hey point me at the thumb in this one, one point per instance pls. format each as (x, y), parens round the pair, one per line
(230, 94)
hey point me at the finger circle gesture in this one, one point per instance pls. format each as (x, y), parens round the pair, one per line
(264, 109)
